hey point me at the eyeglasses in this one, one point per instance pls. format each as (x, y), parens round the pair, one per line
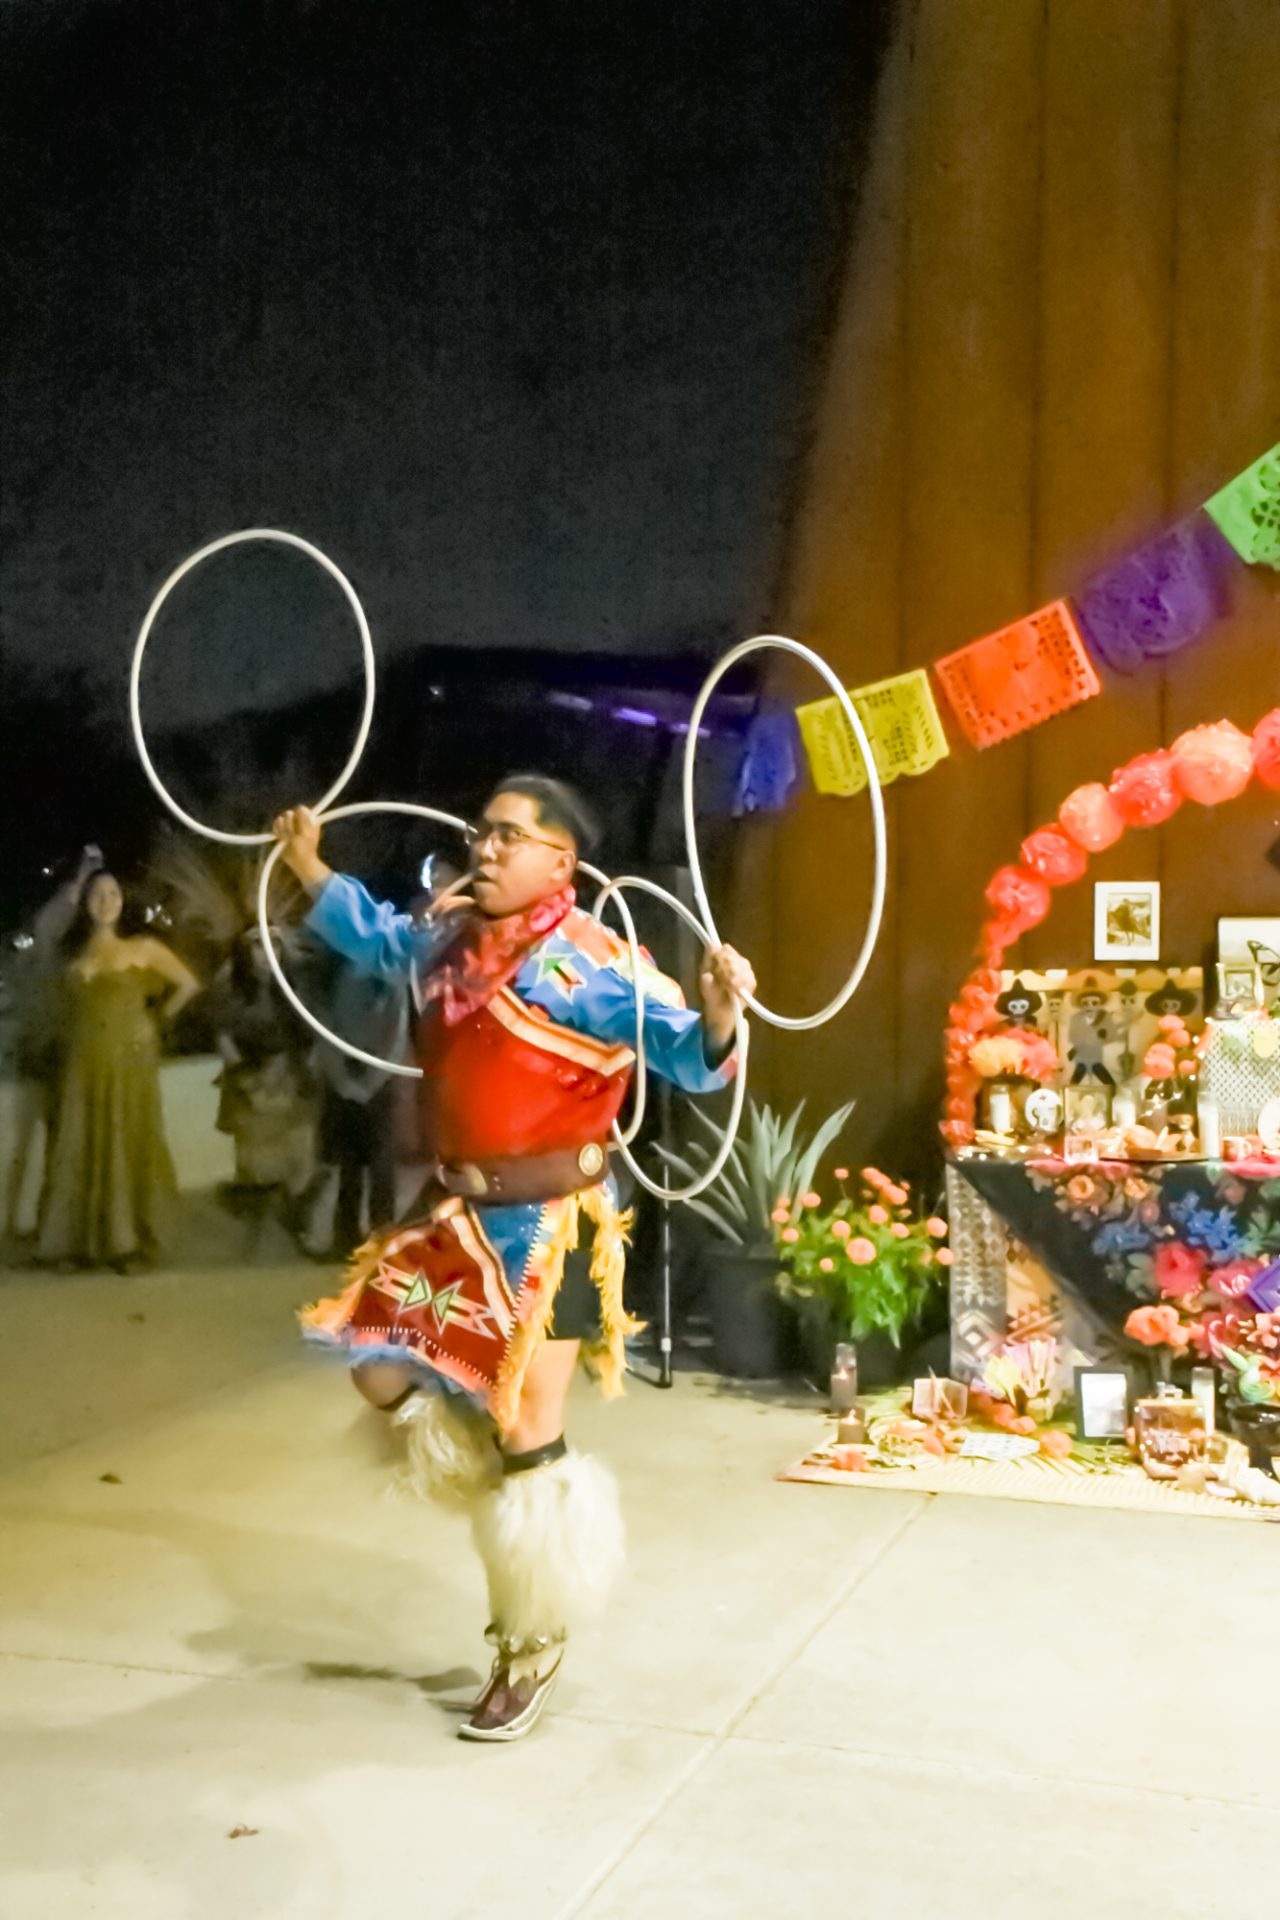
(507, 837)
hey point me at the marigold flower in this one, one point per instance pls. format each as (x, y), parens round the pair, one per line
(899, 1231)
(937, 1227)
(842, 1173)
(780, 1215)
(878, 1216)
(861, 1251)
(790, 1234)
(841, 1229)
(1157, 1327)
(895, 1196)
(945, 1256)
(874, 1177)
(826, 1264)
(811, 1199)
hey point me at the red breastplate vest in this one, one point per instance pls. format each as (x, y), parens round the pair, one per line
(508, 1080)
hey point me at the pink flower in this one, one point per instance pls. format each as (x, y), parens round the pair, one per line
(877, 1215)
(790, 1234)
(811, 1199)
(1158, 1062)
(1179, 1271)
(841, 1229)
(937, 1227)
(842, 1173)
(873, 1177)
(1234, 1279)
(779, 1215)
(945, 1256)
(895, 1196)
(899, 1231)
(827, 1265)
(861, 1251)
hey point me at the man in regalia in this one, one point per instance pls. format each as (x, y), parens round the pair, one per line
(467, 1321)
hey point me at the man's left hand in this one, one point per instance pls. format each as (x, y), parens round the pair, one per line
(726, 981)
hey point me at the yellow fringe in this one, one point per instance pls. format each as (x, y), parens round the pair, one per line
(606, 1358)
(545, 1272)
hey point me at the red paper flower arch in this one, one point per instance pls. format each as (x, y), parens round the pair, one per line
(1208, 764)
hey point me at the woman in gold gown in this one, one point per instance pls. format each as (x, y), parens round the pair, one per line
(108, 1174)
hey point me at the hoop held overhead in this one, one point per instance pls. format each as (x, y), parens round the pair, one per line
(140, 647)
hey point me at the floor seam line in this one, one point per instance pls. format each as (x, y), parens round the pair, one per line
(713, 1743)
(979, 1771)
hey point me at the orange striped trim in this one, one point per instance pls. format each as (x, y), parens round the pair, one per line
(548, 1037)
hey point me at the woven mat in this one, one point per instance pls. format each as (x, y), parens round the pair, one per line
(1063, 1483)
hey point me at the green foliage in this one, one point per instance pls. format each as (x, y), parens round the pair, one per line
(863, 1264)
(771, 1161)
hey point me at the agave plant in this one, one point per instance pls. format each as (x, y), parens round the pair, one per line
(771, 1160)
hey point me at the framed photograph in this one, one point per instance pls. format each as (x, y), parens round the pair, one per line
(1240, 988)
(1102, 1402)
(1252, 941)
(1126, 920)
(1086, 1109)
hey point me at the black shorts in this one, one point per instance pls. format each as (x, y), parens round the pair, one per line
(576, 1314)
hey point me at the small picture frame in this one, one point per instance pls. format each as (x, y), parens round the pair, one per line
(1240, 989)
(1103, 1397)
(1126, 920)
(1087, 1109)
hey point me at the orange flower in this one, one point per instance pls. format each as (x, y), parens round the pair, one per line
(861, 1251)
(827, 1265)
(937, 1227)
(1157, 1327)
(842, 1173)
(945, 1256)
(898, 1231)
(841, 1229)
(895, 1196)
(877, 1216)
(790, 1234)
(811, 1199)
(779, 1215)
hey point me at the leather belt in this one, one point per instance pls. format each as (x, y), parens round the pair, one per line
(531, 1176)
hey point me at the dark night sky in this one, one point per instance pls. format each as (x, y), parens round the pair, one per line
(514, 308)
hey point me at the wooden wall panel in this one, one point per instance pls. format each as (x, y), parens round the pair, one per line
(1106, 272)
(969, 436)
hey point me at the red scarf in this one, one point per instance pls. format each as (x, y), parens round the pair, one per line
(484, 955)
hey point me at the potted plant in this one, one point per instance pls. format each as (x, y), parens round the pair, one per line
(861, 1270)
(772, 1163)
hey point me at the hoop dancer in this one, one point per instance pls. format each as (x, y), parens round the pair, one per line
(466, 1324)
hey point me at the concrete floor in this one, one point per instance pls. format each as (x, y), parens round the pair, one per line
(868, 1703)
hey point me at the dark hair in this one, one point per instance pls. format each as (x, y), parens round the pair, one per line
(559, 807)
(76, 935)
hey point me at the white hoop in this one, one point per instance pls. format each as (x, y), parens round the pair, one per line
(264, 927)
(790, 1023)
(135, 678)
(612, 889)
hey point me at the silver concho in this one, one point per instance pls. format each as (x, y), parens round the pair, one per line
(591, 1159)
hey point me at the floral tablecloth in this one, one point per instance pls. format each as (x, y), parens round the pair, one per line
(1100, 1229)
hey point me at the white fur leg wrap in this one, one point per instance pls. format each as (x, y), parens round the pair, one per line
(552, 1545)
(451, 1455)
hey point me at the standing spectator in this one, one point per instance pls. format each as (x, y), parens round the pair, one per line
(359, 1128)
(109, 1175)
(36, 1007)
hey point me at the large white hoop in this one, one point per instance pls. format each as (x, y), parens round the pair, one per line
(264, 927)
(790, 1023)
(612, 890)
(140, 647)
